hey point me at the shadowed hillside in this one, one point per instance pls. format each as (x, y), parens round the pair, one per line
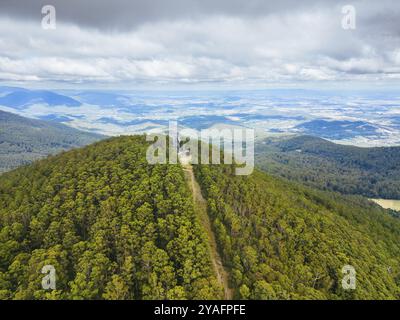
(23, 140)
(371, 172)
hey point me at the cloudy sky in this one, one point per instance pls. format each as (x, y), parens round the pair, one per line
(197, 43)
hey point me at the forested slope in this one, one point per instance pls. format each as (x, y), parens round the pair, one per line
(24, 140)
(113, 226)
(371, 172)
(282, 241)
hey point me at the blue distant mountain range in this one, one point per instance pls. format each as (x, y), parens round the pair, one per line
(369, 117)
(102, 98)
(19, 99)
(338, 129)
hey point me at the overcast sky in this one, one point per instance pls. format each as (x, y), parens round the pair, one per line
(195, 43)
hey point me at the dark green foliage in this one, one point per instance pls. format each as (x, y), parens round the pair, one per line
(113, 226)
(283, 241)
(24, 140)
(371, 172)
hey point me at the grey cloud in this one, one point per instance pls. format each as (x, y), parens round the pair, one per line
(126, 14)
(198, 41)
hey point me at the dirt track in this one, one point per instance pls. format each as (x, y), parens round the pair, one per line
(201, 208)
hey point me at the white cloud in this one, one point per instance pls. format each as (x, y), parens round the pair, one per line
(286, 47)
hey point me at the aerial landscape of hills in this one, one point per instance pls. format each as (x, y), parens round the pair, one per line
(346, 117)
(199, 158)
(116, 227)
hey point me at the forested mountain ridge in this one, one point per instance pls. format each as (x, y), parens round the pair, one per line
(113, 226)
(24, 140)
(371, 172)
(284, 241)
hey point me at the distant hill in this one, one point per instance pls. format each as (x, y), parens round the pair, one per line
(23, 140)
(338, 129)
(103, 98)
(20, 98)
(371, 172)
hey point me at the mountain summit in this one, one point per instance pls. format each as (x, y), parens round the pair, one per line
(115, 227)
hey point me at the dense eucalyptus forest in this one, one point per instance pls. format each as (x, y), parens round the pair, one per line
(115, 227)
(371, 172)
(284, 241)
